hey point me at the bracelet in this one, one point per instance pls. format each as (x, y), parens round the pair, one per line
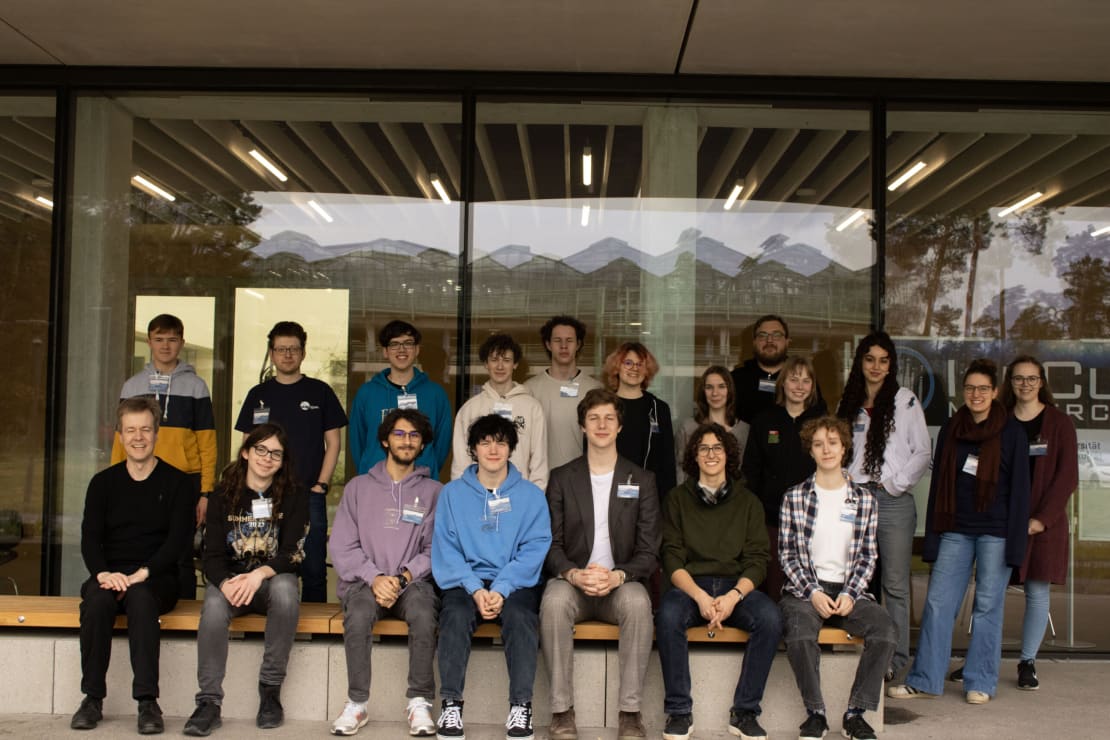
(738, 592)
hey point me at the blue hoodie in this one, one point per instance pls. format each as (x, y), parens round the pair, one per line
(377, 397)
(507, 549)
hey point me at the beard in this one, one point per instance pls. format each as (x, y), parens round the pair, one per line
(769, 356)
(404, 455)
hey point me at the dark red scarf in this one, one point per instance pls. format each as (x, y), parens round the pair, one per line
(988, 436)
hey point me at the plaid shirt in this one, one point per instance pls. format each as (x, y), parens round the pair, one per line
(796, 522)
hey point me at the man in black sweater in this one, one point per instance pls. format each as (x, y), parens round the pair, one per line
(137, 523)
(755, 378)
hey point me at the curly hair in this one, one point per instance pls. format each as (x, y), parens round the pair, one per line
(882, 412)
(549, 327)
(829, 423)
(1044, 393)
(701, 406)
(611, 370)
(233, 479)
(732, 451)
(418, 420)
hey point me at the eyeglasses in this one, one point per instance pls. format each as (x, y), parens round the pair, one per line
(397, 346)
(264, 451)
(763, 336)
(982, 390)
(633, 365)
(715, 450)
(1025, 379)
(287, 351)
(400, 434)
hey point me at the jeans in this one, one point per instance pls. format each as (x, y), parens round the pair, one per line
(142, 603)
(629, 607)
(896, 524)
(802, 626)
(947, 585)
(418, 605)
(314, 569)
(277, 598)
(519, 631)
(1036, 618)
(757, 614)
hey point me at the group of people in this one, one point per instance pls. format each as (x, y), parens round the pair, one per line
(569, 499)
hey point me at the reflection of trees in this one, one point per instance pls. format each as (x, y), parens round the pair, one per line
(1088, 316)
(932, 252)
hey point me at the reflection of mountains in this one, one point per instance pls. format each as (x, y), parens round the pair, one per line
(796, 257)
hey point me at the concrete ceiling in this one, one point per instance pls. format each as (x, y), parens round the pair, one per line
(993, 39)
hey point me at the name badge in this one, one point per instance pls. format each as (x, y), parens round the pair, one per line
(859, 427)
(848, 514)
(1038, 449)
(655, 427)
(413, 513)
(773, 437)
(628, 491)
(406, 400)
(767, 385)
(971, 465)
(262, 508)
(568, 390)
(159, 383)
(504, 409)
(500, 505)
(261, 414)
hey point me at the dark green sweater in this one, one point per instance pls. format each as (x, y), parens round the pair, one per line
(728, 539)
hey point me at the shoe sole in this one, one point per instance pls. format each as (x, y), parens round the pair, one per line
(847, 735)
(520, 737)
(914, 695)
(421, 731)
(742, 736)
(450, 737)
(978, 700)
(152, 730)
(682, 737)
(1029, 688)
(194, 732)
(813, 737)
(347, 733)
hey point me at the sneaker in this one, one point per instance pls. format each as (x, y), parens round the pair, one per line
(353, 718)
(1027, 676)
(678, 727)
(814, 728)
(519, 724)
(270, 712)
(957, 676)
(450, 725)
(419, 714)
(563, 726)
(905, 691)
(855, 727)
(204, 719)
(630, 726)
(977, 697)
(745, 724)
(88, 714)
(150, 718)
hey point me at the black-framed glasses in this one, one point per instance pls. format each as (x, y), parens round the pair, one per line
(715, 450)
(287, 351)
(982, 390)
(264, 451)
(397, 346)
(1025, 379)
(763, 336)
(400, 434)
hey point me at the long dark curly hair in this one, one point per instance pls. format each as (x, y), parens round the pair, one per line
(882, 414)
(233, 480)
(732, 451)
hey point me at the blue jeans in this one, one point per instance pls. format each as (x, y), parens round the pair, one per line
(520, 631)
(894, 532)
(1036, 618)
(314, 569)
(947, 585)
(757, 614)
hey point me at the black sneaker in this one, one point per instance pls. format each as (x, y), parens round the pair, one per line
(450, 724)
(856, 728)
(745, 724)
(88, 714)
(814, 728)
(519, 724)
(1027, 676)
(150, 718)
(204, 719)
(678, 727)
(957, 676)
(270, 712)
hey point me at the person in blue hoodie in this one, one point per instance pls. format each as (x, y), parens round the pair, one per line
(492, 533)
(400, 386)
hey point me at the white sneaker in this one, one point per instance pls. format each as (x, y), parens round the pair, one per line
(354, 716)
(420, 717)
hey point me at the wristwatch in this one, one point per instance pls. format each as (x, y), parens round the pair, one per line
(401, 579)
(323, 485)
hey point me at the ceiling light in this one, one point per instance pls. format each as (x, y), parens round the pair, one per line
(731, 200)
(586, 215)
(1020, 204)
(438, 185)
(44, 201)
(261, 159)
(319, 209)
(152, 188)
(851, 220)
(587, 167)
(1100, 232)
(906, 176)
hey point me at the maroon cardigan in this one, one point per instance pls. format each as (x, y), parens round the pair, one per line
(1055, 478)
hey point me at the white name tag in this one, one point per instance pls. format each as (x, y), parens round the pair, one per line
(500, 505)
(413, 513)
(406, 400)
(262, 508)
(261, 415)
(848, 514)
(767, 385)
(971, 465)
(1038, 449)
(628, 491)
(568, 390)
(504, 409)
(159, 383)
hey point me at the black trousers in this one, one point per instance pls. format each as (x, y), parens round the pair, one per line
(142, 603)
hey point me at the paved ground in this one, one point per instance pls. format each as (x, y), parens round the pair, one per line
(1072, 703)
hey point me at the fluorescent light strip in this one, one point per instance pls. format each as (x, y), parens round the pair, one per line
(1020, 204)
(906, 176)
(731, 200)
(319, 209)
(587, 167)
(1100, 232)
(586, 214)
(153, 188)
(44, 201)
(851, 220)
(440, 189)
(261, 159)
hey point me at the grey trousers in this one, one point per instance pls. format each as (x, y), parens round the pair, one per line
(279, 600)
(418, 605)
(629, 607)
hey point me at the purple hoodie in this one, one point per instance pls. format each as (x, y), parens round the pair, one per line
(363, 545)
